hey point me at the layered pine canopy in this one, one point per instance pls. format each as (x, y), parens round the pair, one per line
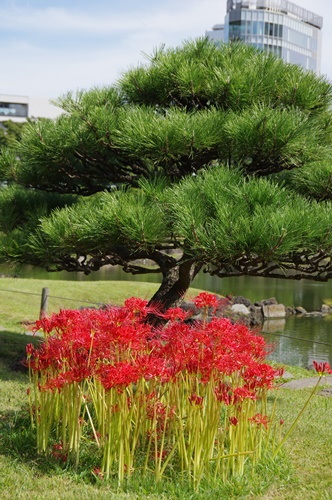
(206, 156)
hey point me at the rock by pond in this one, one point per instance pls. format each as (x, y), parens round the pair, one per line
(254, 314)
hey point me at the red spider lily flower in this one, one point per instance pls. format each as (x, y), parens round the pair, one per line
(117, 348)
(205, 300)
(279, 372)
(121, 375)
(233, 421)
(58, 446)
(224, 393)
(135, 304)
(29, 350)
(158, 455)
(242, 393)
(125, 468)
(97, 472)
(115, 408)
(139, 308)
(161, 414)
(58, 452)
(175, 313)
(259, 375)
(156, 409)
(322, 368)
(195, 400)
(259, 419)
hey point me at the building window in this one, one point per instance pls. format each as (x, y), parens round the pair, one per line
(236, 30)
(12, 109)
(271, 29)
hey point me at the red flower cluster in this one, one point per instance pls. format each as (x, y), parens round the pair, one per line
(58, 452)
(117, 347)
(142, 388)
(196, 400)
(206, 300)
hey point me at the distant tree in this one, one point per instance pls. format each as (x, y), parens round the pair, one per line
(213, 158)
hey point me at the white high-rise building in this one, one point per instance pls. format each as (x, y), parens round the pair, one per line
(19, 108)
(277, 26)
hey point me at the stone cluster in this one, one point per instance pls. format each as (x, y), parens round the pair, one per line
(253, 314)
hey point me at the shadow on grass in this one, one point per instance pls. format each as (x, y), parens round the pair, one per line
(12, 353)
(18, 443)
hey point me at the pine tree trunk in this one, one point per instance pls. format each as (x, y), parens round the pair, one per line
(176, 281)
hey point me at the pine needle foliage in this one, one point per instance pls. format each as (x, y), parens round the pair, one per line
(10, 132)
(200, 74)
(224, 217)
(205, 156)
(314, 180)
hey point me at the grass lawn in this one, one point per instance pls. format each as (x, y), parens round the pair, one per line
(20, 299)
(304, 472)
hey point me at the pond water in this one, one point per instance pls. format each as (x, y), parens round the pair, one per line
(297, 341)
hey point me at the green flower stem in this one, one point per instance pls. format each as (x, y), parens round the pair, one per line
(65, 407)
(290, 430)
(109, 441)
(91, 422)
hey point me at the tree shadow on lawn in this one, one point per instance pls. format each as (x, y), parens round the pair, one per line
(13, 354)
(18, 442)
(17, 438)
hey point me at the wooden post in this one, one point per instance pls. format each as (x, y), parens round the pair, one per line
(44, 303)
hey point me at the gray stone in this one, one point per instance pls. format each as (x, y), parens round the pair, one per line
(241, 300)
(256, 312)
(325, 309)
(274, 311)
(300, 310)
(197, 317)
(190, 309)
(267, 302)
(240, 309)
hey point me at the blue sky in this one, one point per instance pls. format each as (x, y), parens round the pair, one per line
(50, 47)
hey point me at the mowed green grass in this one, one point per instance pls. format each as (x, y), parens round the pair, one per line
(20, 299)
(304, 472)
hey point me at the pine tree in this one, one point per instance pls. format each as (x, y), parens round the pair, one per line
(206, 157)
(10, 132)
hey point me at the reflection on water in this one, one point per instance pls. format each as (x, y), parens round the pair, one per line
(302, 340)
(305, 293)
(297, 341)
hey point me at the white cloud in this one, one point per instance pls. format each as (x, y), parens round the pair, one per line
(109, 44)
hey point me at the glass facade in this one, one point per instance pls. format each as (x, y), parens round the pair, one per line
(276, 26)
(12, 109)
